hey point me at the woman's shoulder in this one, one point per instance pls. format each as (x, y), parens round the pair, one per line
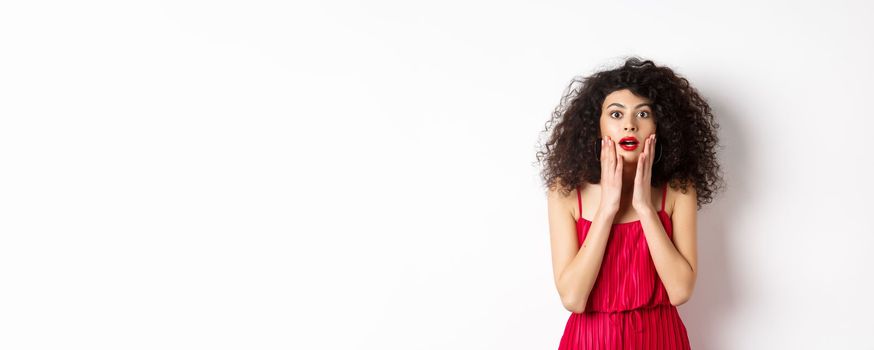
(561, 198)
(558, 185)
(585, 185)
(569, 200)
(675, 195)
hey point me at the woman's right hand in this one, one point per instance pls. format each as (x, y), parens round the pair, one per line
(611, 176)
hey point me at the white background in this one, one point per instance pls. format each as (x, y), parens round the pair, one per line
(361, 175)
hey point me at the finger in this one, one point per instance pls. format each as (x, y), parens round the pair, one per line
(652, 153)
(649, 153)
(654, 140)
(651, 159)
(647, 145)
(618, 157)
(611, 156)
(618, 175)
(638, 174)
(646, 170)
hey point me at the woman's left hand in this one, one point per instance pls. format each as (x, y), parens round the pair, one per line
(641, 200)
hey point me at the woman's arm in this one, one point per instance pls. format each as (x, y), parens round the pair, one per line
(676, 262)
(575, 268)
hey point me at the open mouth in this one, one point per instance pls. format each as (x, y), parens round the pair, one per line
(628, 143)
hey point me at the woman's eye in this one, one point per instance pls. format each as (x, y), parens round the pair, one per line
(611, 113)
(645, 114)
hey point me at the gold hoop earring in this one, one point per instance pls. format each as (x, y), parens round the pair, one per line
(597, 150)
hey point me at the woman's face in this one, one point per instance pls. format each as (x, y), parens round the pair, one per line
(626, 115)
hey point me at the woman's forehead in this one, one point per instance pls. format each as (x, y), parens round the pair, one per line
(625, 99)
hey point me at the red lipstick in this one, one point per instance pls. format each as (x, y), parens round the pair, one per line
(628, 143)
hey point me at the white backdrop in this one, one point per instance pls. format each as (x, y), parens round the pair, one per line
(361, 175)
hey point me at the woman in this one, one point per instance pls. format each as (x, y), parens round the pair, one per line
(630, 160)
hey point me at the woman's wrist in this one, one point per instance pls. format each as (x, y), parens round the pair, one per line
(611, 209)
(645, 210)
(605, 214)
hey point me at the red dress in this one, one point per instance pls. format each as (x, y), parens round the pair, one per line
(628, 307)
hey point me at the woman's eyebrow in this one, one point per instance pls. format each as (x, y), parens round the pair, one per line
(621, 106)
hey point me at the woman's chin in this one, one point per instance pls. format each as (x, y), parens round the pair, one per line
(629, 157)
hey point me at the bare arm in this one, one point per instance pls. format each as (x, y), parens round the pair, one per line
(675, 262)
(576, 268)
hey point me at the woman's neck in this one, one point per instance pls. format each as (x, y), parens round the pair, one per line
(629, 171)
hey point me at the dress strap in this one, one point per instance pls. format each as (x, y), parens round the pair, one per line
(580, 202)
(664, 195)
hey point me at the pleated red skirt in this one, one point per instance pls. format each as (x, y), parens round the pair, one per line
(658, 327)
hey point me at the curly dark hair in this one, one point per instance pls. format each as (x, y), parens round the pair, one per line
(685, 128)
